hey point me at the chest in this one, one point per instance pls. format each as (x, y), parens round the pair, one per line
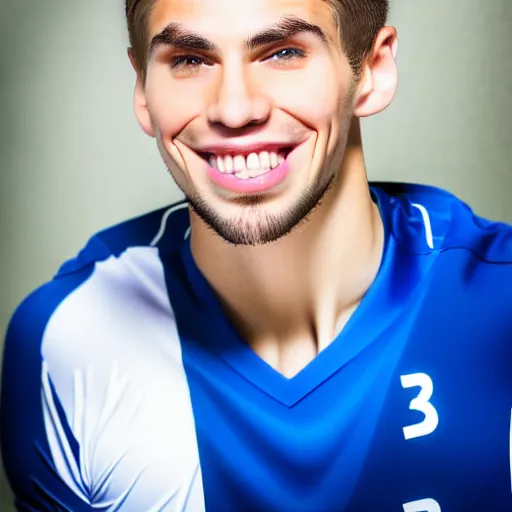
(412, 423)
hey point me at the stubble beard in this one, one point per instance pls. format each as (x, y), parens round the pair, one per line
(255, 224)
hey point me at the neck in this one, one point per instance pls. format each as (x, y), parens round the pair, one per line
(291, 298)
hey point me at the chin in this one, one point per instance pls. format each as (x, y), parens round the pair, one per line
(257, 219)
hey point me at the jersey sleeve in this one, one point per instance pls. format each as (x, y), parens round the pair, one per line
(30, 409)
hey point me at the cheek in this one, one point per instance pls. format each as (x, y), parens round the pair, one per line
(312, 95)
(171, 104)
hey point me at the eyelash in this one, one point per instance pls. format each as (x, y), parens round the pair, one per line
(184, 60)
(296, 52)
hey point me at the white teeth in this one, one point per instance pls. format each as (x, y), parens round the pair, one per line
(264, 160)
(253, 162)
(228, 163)
(220, 164)
(243, 175)
(239, 163)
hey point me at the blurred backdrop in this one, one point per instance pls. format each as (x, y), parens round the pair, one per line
(73, 160)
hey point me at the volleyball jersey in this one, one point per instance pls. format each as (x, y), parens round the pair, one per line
(126, 387)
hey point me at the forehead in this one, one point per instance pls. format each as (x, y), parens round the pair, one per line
(236, 18)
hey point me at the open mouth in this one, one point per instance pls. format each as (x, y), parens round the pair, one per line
(247, 165)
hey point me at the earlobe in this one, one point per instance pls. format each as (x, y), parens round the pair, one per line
(379, 80)
(140, 104)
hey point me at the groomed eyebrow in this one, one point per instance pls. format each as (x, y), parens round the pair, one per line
(177, 36)
(287, 27)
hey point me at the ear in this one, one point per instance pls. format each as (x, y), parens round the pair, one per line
(379, 78)
(140, 104)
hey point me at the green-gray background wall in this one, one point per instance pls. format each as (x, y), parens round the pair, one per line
(73, 160)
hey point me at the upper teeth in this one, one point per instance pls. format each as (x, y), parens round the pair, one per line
(262, 161)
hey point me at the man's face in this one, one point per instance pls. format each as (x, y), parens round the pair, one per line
(250, 102)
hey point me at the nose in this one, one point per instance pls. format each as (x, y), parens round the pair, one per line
(238, 100)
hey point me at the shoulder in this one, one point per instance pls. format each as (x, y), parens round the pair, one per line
(459, 266)
(425, 219)
(465, 260)
(81, 352)
(118, 269)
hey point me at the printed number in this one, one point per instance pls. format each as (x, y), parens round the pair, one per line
(421, 403)
(427, 505)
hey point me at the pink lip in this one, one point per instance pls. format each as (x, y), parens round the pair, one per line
(250, 185)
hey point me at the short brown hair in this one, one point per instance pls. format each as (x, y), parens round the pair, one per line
(359, 22)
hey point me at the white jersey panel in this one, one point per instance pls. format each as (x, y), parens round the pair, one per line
(112, 353)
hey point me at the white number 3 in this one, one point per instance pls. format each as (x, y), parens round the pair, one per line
(421, 403)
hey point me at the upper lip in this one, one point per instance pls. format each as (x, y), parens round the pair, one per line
(244, 148)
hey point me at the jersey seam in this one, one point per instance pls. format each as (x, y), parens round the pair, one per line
(451, 248)
(160, 233)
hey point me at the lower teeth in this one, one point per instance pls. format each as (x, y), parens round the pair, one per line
(253, 173)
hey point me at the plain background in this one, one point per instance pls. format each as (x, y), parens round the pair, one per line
(73, 160)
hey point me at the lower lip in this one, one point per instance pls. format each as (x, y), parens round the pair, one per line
(250, 185)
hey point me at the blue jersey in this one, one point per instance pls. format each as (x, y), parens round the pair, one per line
(126, 387)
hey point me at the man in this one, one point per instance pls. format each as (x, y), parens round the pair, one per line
(288, 339)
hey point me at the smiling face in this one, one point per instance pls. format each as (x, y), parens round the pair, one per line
(250, 102)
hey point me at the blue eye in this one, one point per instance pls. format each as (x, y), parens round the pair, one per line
(287, 54)
(186, 61)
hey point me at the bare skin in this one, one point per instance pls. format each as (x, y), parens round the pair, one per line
(291, 297)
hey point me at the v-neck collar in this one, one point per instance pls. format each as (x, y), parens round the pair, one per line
(372, 317)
